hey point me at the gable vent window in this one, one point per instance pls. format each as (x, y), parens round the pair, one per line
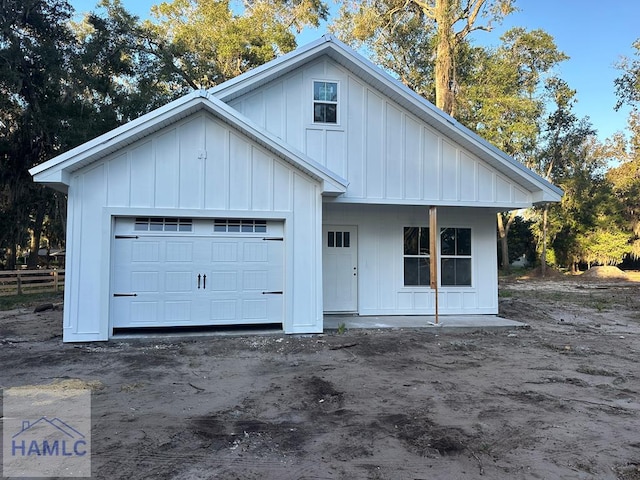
(325, 102)
(152, 224)
(231, 225)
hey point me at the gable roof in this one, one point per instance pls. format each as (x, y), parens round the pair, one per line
(542, 190)
(57, 171)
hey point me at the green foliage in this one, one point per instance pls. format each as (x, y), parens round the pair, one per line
(396, 35)
(202, 43)
(627, 85)
(604, 246)
(64, 83)
(502, 98)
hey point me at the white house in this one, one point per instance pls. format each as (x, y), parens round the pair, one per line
(300, 188)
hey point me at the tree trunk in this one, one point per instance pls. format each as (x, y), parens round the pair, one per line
(32, 262)
(503, 233)
(444, 57)
(543, 259)
(504, 245)
(11, 257)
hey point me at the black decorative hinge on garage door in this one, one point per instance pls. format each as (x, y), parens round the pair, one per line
(125, 236)
(274, 239)
(272, 293)
(125, 294)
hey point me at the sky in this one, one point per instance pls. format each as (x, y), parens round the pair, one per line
(593, 33)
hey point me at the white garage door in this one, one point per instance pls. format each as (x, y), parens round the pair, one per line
(191, 272)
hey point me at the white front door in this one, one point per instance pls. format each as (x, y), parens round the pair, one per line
(193, 275)
(340, 268)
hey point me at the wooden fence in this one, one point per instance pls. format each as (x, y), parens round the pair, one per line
(17, 282)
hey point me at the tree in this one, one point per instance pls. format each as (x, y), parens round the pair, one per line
(627, 86)
(521, 242)
(35, 51)
(201, 43)
(396, 36)
(625, 178)
(446, 23)
(587, 225)
(447, 14)
(502, 100)
(61, 86)
(498, 92)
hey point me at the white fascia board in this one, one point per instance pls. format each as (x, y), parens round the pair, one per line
(52, 177)
(542, 197)
(117, 137)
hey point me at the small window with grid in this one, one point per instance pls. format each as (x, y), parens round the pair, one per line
(159, 224)
(235, 225)
(325, 102)
(338, 239)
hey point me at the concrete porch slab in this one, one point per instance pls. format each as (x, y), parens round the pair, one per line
(448, 322)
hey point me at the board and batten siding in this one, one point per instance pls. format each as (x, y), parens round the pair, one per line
(387, 154)
(201, 168)
(381, 289)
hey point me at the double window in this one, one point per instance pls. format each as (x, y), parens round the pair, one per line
(455, 256)
(325, 102)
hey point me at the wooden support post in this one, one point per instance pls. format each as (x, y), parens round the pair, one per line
(19, 283)
(433, 253)
(55, 281)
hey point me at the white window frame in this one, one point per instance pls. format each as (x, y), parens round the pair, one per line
(418, 255)
(239, 225)
(325, 102)
(456, 256)
(163, 224)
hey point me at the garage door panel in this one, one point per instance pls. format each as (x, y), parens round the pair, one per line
(179, 252)
(145, 251)
(225, 281)
(223, 311)
(224, 251)
(255, 309)
(255, 252)
(144, 313)
(179, 282)
(255, 280)
(177, 312)
(142, 282)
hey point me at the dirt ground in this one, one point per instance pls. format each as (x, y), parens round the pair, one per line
(557, 400)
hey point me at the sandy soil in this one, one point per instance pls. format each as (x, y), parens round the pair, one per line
(558, 400)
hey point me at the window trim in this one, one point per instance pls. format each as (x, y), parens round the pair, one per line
(455, 256)
(325, 102)
(418, 255)
(243, 225)
(162, 225)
